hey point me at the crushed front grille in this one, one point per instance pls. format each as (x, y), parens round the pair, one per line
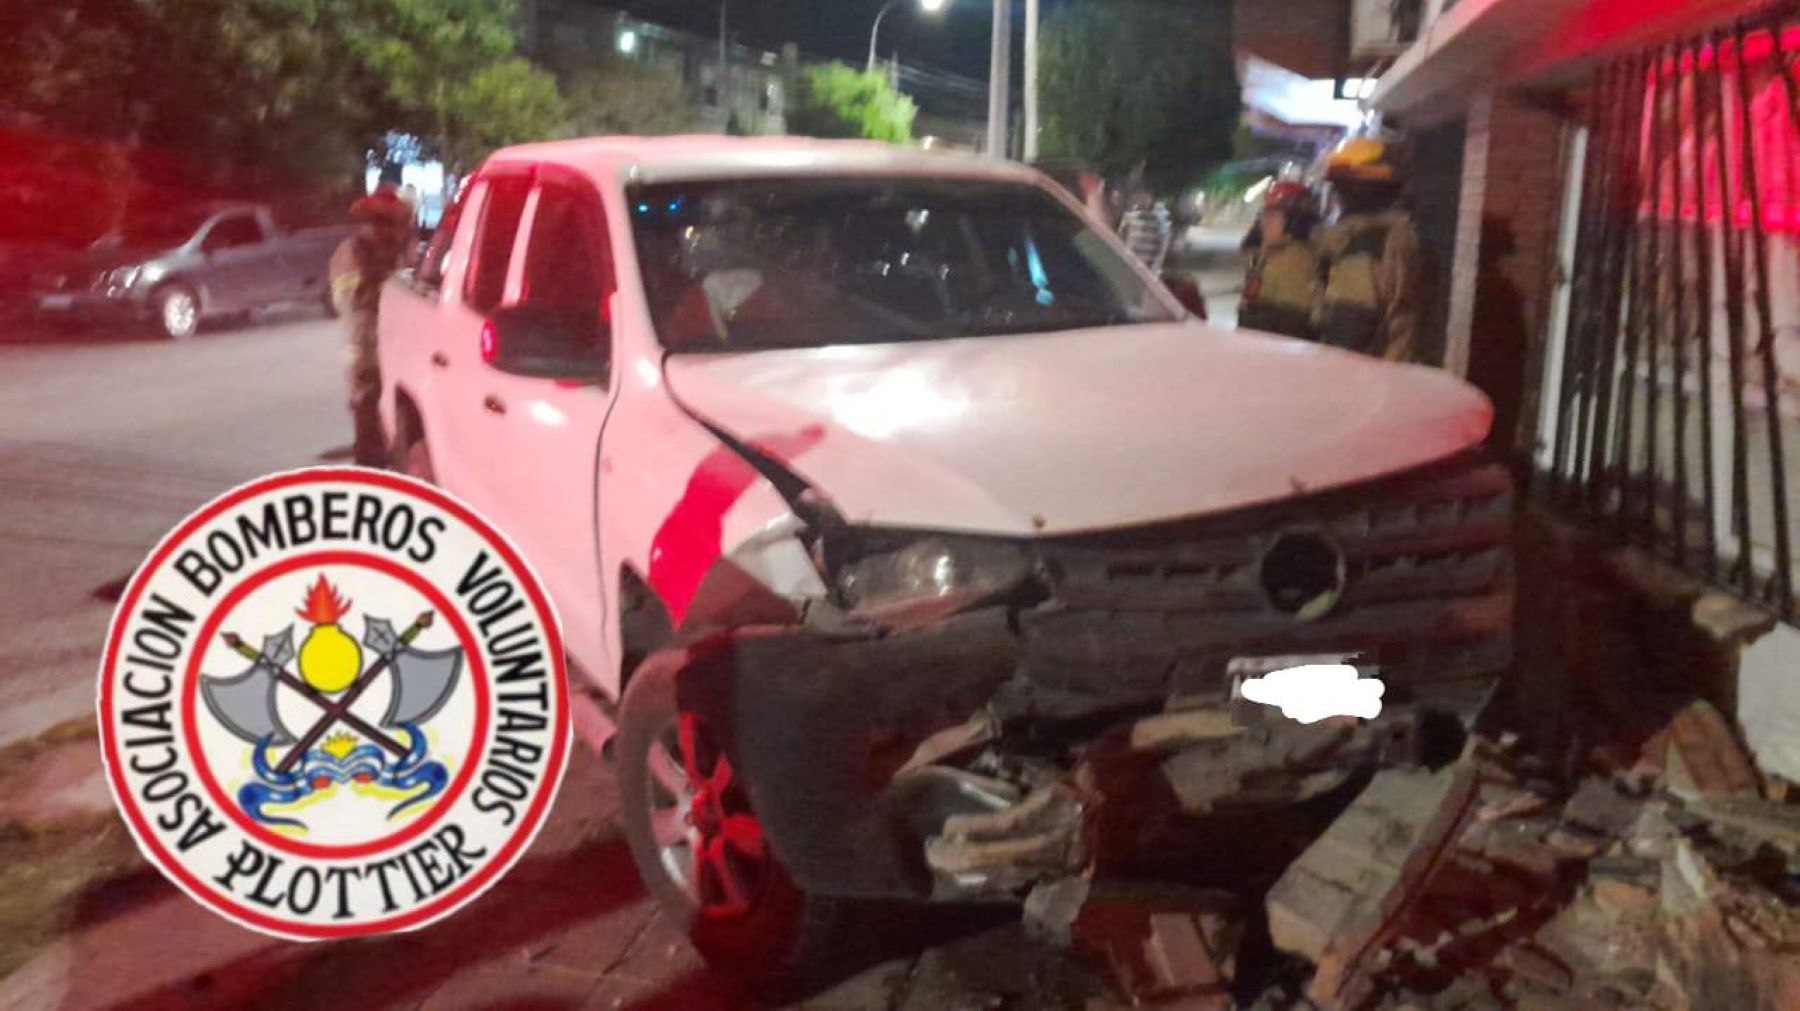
(1422, 585)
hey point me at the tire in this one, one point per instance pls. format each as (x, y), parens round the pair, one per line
(769, 934)
(411, 453)
(177, 311)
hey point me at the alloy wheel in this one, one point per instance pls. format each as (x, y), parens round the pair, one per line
(180, 314)
(708, 840)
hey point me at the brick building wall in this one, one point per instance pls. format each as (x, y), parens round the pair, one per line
(1501, 275)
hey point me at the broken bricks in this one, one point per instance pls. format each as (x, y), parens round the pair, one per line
(1172, 948)
(1701, 756)
(1341, 900)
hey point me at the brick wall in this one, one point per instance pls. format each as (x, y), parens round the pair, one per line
(1500, 279)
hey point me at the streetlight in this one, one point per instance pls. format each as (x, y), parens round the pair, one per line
(928, 6)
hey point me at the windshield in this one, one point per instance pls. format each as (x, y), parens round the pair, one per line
(786, 263)
(158, 230)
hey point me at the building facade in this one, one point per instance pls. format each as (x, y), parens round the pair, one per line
(1622, 182)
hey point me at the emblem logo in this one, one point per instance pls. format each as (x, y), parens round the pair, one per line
(334, 703)
(1303, 573)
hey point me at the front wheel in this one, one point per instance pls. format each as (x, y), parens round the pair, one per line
(698, 844)
(177, 312)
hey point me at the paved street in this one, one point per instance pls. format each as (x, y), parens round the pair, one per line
(104, 444)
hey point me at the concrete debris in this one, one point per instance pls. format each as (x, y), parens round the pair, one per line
(1729, 620)
(1704, 757)
(1477, 891)
(1688, 882)
(1177, 954)
(1751, 822)
(1051, 908)
(1622, 897)
(1347, 873)
(972, 733)
(1577, 843)
(1215, 770)
(1536, 966)
(1600, 809)
(1169, 948)
(1039, 838)
(1182, 728)
(1499, 801)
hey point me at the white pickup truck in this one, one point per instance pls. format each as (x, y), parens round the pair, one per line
(921, 535)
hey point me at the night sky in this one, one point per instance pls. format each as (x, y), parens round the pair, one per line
(955, 39)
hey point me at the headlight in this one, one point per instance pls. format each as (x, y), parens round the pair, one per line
(121, 277)
(931, 570)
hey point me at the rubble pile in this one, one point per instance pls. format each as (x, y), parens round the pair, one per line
(1665, 879)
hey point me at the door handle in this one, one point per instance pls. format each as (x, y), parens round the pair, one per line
(439, 360)
(493, 404)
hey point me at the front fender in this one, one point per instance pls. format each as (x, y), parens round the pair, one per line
(730, 541)
(819, 722)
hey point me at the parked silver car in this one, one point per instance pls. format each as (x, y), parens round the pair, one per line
(179, 267)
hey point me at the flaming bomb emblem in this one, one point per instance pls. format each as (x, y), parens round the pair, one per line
(389, 754)
(329, 659)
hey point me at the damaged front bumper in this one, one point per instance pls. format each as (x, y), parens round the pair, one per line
(1001, 748)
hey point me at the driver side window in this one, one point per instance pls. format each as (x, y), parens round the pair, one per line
(434, 264)
(232, 232)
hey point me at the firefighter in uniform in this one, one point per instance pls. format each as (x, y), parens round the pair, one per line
(359, 267)
(1369, 258)
(1282, 285)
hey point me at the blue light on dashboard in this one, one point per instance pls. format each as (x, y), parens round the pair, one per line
(1039, 280)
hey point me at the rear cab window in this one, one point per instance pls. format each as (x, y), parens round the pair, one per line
(567, 261)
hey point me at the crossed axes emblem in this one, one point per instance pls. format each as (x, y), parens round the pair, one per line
(246, 704)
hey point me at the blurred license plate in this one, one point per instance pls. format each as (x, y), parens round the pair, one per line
(56, 301)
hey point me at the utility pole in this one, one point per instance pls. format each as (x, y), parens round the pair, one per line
(1000, 81)
(1031, 80)
(724, 65)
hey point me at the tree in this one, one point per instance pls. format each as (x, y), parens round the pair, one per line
(256, 91)
(832, 100)
(614, 95)
(1140, 82)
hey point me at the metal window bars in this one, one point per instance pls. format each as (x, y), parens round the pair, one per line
(1680, 390)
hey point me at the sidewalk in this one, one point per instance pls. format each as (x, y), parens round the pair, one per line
(569, 927)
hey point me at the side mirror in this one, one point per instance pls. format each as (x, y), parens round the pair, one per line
(548, 342)
(1186, 291)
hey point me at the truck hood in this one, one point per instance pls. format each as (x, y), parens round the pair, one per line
(1081, 430)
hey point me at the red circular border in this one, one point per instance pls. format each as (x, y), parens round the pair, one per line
(190, 692)
(524, 832)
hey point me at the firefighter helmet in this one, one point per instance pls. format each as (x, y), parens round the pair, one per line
(384, 206)
(1363, 159)
(1290, 195)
